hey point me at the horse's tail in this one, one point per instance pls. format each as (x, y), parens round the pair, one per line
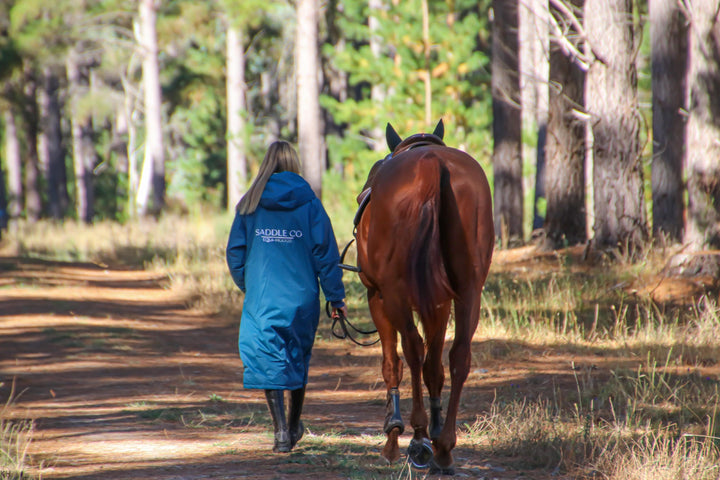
(427, 275)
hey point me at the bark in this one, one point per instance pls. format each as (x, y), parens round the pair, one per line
(82, 142)
(702, 230)
(534, 65)
(507, 159)
(427, 74)
(236, 105)
(565, 221)
(3, 203)
(14, 166)
(33, 200)
(308, 104)
(611, 95)
(52, 156)
(668, 34)
(130, 108)
(152, 180)
(377, 91)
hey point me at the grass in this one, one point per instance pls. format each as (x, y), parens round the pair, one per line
(15, 440)
(657, 418)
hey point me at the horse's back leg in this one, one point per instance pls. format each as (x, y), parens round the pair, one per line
(433, 370)
(467, 311)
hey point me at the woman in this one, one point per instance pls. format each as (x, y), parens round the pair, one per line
(280, 244)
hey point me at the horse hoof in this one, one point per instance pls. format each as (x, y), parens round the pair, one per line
(436, 469)
(420, 453)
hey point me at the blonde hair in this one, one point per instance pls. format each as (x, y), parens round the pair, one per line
(280, 157)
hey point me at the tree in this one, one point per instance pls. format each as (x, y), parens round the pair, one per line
(3, 204)
(377, 92)
(236, 156)
(611, 96)
(383, 59)
(507, 159)
(52, 156)
(565, 220)
(534, 65)
(82, 142)
(13, 164)
(30, 117)
(308, 92)
(668, 35)
(702, 229)
(152, 179)
(240, 17)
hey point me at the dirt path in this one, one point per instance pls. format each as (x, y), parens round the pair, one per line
(123, 382)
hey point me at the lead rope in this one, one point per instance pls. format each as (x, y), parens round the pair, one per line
(340, 320)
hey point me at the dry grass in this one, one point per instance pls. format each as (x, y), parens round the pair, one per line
(658, 456)
(15, 439)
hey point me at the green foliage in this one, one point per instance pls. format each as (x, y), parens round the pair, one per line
(459, 78)
(247, 13)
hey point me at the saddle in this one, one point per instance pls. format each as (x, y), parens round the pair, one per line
(414, 141)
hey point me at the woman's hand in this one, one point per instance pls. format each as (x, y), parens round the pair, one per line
(341, 310)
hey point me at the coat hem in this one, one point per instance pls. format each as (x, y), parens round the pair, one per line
(273, 387)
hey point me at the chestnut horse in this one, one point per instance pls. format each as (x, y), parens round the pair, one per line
(424, 240)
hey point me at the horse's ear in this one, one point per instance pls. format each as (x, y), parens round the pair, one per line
(392, 137)
(439, 130)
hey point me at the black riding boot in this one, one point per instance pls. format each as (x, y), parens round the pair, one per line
(276, 404)
(297, 429)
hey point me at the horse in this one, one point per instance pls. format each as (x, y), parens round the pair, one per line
(425, 239)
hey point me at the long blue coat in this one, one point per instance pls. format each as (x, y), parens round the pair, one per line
(276, 256)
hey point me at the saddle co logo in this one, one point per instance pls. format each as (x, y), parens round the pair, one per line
(277, 235)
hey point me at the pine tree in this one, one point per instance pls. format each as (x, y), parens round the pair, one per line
(384, 57)
(565, 221)
(152, 179)
(507, 158)
(702, 230)
(611, 97)
(668, 32)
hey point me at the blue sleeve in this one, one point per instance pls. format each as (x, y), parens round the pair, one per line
(236, 251)
(326, 256)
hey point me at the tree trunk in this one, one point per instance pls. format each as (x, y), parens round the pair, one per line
(377, 92)
(565, 221)
(152, 180)
(427, 74)
(33, 200)
(52, 156)
(611, 94)
(308, 105)
(702, 230)
(236, 156)
(534, 61)
(507, 159)
(14, 166)
(668, 35)
(3, 203)
(83, 149)
(130, 108)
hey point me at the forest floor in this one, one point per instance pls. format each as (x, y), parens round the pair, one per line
(123, 381)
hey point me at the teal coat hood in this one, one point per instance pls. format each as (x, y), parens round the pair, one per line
(286, 191)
